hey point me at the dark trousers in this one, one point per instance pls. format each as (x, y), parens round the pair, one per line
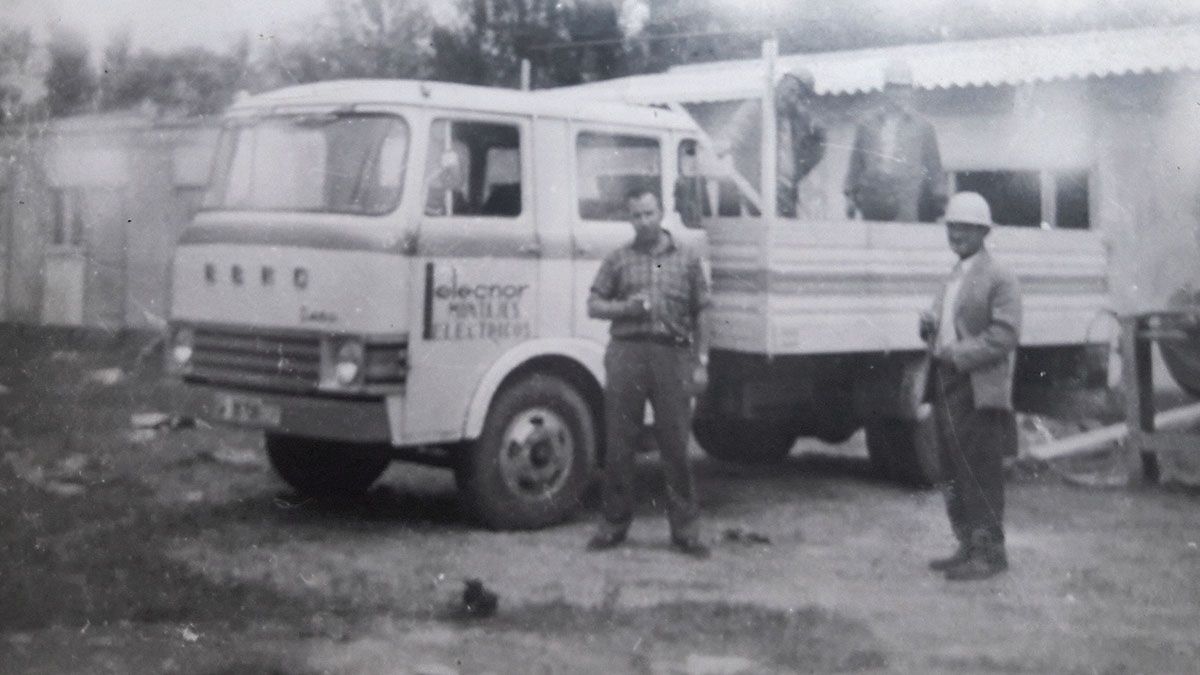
(972, 445)
(639, 371)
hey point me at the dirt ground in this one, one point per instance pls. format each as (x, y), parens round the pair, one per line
(177, 550)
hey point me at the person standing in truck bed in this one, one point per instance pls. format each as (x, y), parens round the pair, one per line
(799, 140)
(895, 167)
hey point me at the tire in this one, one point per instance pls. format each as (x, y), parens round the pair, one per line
(1183, 362)
(905, 451)
(836, 435)
(317, 468)
(534, 459)
(743, 441)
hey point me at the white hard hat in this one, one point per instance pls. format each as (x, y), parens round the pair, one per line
(970, 208)
(899, 73)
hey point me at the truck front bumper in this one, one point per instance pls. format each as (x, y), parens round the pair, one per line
(336, 419)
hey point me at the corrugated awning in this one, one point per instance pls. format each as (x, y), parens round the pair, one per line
(1003, 61)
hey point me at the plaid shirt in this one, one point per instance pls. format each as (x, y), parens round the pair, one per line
(671, 276)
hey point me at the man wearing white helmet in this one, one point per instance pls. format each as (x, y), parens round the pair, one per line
(972, 332)
(895, 167)
(800, 140)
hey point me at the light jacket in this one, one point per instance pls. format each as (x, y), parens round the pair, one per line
(987, 323)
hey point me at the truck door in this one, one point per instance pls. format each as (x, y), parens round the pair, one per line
(608, 164)
(477, 279)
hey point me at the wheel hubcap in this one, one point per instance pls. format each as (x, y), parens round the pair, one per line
(537, 453)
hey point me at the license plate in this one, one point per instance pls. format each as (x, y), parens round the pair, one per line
(252, 410)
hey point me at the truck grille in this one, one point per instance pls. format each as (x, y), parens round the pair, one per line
(254, 359)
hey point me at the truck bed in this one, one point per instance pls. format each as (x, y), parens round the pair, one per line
(817, 287)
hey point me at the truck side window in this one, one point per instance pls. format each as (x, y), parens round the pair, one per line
(609, 166)
(473, 169)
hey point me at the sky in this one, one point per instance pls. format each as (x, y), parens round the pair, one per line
(164, 25)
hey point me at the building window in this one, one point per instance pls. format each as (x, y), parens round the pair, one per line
(1031, 198)
(1015, 196)
(68, 217)
(609, 167)
(1071, 197)
(473, 169)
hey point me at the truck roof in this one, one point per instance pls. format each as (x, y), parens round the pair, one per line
(545, 103)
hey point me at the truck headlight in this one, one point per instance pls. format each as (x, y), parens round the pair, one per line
(182, 347)
(348, 363)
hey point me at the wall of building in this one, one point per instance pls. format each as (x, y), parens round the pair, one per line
(131, 182)
(1148, 171)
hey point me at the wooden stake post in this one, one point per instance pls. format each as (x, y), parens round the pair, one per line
(1139, 332)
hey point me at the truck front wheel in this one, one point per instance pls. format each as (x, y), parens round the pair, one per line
(531, 464)
(904, 450)
(316, 468)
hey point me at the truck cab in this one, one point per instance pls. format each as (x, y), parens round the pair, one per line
(394, 270)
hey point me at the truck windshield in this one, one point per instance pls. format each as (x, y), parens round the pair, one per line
(330, 163)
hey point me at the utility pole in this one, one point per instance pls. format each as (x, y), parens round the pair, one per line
(526, 75)
(769, 157)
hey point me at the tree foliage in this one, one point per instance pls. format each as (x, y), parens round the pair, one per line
(484, 41)
(20, 87)
(357, 38)
(192, 81)
(566, 43)
(70, 80)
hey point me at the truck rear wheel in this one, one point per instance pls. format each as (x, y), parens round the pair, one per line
(904, 450)
(743, 441)
(531, 464)
(316, 468)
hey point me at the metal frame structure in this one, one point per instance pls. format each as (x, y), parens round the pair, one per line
(1139, 332)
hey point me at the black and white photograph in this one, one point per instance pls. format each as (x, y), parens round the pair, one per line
(696, 337)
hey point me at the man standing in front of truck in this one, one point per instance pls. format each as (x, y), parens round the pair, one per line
(972, 333)
(654, 292)
(895, 167)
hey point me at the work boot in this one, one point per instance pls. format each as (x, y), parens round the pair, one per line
(957, 558)
(975, 568)
(987, 559)
(692, 547)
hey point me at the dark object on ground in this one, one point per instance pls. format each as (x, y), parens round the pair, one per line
(743, 536)
(477, 601)
(605, 541)
(693, 548)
